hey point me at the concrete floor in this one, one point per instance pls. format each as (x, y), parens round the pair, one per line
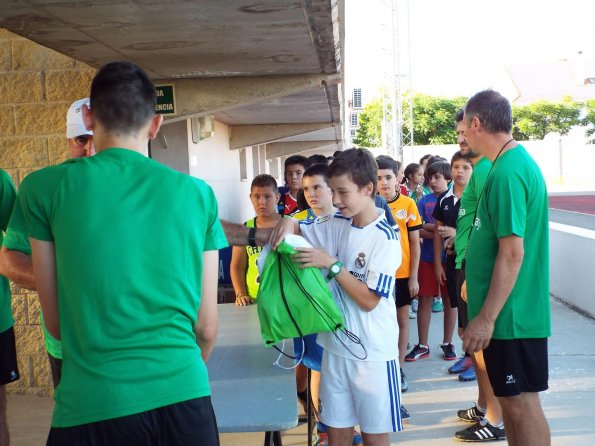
(433, 396)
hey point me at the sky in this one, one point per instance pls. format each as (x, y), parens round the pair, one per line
(459, 47)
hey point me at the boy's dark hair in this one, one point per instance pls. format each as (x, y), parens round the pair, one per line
(318, 159)
(317, 169)
(459, 115)
(386, 162)
(359, 164)
(264, 180)
(458, 155)
(425, 157)
(492, 109)
(442, 167)
(431, 160)
(410, 170)
(122, 98)
(297, 159)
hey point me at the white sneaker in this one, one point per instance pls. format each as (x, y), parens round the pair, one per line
(414, 305)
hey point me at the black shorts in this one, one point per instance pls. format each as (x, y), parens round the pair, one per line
(517, 365)
(9, 369)
(451, 284)
(188, 423)
(402, 296)
(461, 304)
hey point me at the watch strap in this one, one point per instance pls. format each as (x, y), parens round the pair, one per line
(252, 237)
(332, 273)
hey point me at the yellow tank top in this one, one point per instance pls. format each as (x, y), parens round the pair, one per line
(252, 278)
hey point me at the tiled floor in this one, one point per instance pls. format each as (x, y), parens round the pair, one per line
(433, 395)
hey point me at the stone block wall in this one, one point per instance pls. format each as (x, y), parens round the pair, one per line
(37, 85)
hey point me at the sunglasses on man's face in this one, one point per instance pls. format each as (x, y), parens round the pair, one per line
(82, 140)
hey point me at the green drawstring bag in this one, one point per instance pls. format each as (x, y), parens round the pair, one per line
(293, 302)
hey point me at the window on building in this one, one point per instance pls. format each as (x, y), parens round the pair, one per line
(357, 98)
(354, 121)
(353, 132)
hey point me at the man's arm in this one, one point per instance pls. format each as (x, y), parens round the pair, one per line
(207, 323)
(508, 263)
(237, 234)
(18, 267)
(44, 272)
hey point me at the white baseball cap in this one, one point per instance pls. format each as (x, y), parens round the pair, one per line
(74, 119)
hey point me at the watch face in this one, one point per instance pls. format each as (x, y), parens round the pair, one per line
(335, 269)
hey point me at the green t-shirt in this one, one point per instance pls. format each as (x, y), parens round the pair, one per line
(514, 201)
(468, 207)
(129, 235)
(7, 198)
(17, 241)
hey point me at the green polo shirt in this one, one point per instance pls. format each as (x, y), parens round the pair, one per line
(514, 202)
(468, 207)
(7, 198)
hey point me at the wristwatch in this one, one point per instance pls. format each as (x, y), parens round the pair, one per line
(334, 269)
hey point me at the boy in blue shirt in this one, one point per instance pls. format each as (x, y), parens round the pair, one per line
(439, 175)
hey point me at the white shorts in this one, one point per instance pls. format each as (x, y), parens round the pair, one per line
(364, 393)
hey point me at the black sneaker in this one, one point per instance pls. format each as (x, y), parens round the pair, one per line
(405, 415)
(481, 431)
(449, 352)
(418, 352)
(471, 415)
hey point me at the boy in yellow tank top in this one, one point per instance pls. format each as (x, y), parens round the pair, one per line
(264, 195)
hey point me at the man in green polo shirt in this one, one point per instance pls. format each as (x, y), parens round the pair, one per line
(486, 414)
(15, 254)
(507, 269)
(125, 258)
(9, 371)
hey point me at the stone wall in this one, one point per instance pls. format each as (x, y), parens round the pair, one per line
(37, 85)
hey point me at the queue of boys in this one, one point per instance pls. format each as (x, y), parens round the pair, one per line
(123, 253)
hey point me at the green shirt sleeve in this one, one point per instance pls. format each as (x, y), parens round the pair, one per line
(16, 240)
(8, 195)
(215, 237)
(508, 212)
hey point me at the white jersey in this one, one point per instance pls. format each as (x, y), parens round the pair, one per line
(372, 254)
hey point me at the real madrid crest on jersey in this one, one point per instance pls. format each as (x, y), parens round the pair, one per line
(360, 261)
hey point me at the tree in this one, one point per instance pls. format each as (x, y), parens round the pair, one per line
(434, 116)
(535, 120)
(369, 133)
(588, 120)
(433, 121)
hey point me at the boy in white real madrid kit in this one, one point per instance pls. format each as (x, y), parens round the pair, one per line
(360, 383)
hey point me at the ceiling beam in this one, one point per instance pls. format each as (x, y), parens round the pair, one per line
(203, 96)
(280, 149)
(249, 135)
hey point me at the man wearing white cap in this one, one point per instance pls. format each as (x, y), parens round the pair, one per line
(15, 254)
(80, 140)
